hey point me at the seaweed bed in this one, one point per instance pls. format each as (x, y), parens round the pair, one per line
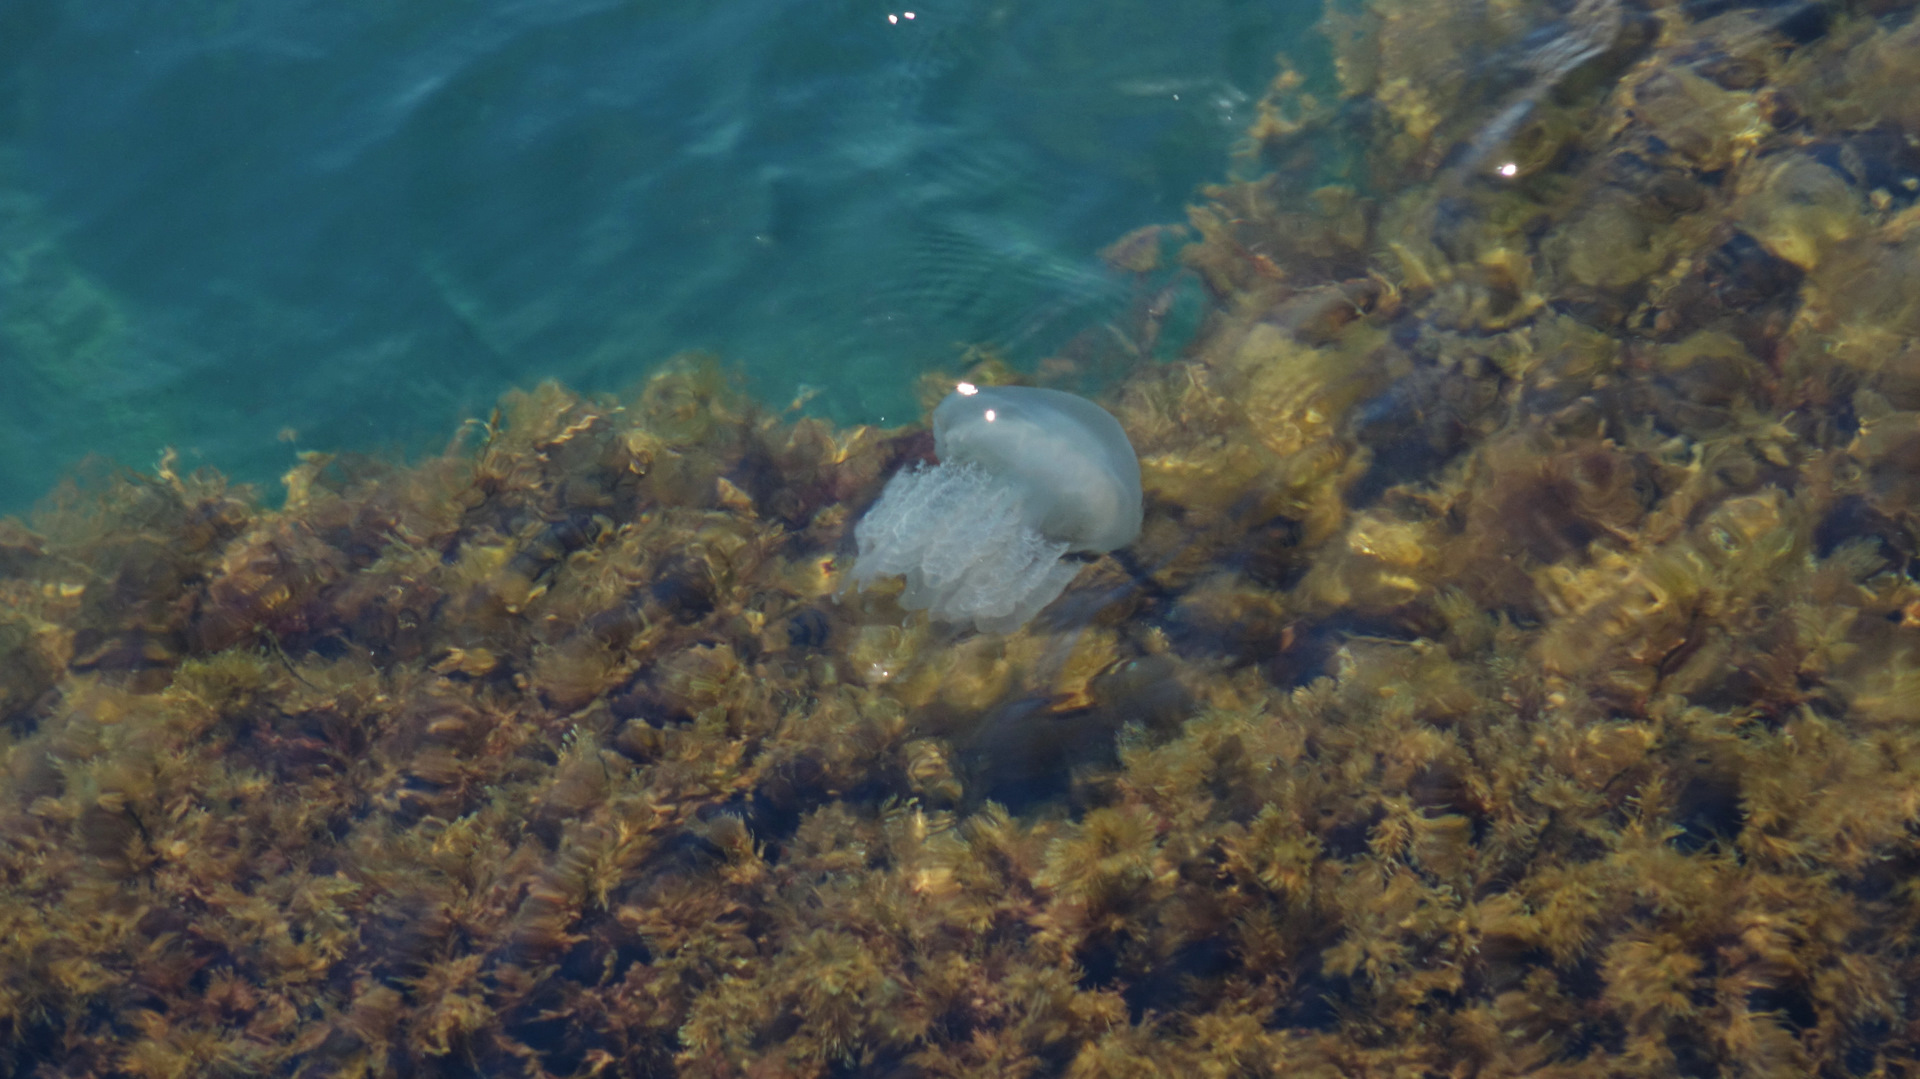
(1517, 673)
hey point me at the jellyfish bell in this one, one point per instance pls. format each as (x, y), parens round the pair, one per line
(1025, 477)
(1075, 470)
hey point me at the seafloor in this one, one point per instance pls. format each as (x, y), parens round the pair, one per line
(1519, 672)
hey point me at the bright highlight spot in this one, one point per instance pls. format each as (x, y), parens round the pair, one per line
(1509, 169)
(991, 415)
(966, 389)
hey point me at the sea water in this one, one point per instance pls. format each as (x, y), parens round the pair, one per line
(248, 229)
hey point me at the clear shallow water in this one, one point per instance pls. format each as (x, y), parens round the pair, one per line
(244, 228)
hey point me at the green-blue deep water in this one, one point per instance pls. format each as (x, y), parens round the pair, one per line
(245, 229)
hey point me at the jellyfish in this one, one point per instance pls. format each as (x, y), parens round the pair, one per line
(1026, 477)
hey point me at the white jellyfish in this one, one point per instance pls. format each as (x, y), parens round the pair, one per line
(1025, 476)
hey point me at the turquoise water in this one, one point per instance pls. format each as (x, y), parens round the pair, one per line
(243, 229)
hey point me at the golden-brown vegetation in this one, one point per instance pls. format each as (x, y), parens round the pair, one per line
(1519, 672)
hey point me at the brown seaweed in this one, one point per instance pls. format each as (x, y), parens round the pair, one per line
(1518, 673)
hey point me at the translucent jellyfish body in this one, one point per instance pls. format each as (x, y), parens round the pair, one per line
(1025, 477)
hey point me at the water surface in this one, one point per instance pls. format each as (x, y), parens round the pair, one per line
(241, 229)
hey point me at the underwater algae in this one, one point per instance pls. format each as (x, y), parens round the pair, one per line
(1517, 672)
